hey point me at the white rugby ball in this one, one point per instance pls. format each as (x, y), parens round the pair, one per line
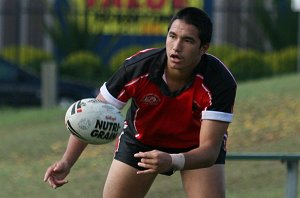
(94, 122)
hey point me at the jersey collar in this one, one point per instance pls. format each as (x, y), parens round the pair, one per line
(157, 72)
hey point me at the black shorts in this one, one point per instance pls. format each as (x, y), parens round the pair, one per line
(128, 145)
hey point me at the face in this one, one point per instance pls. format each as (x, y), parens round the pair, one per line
(183, 46)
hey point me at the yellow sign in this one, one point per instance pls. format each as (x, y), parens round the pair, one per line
(131, 17)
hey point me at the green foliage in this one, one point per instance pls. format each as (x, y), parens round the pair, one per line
(28, 57)
(246, 65)
(82, 65)
(282, 61)
(279, 24)
(120, 56)
(158, 45)
(223, 52)
(70, 32)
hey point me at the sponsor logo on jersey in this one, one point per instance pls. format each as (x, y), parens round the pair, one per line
(151, 99)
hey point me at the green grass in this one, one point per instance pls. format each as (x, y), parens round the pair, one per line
(267, 119)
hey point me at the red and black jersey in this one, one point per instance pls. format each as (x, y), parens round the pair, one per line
(160, 118)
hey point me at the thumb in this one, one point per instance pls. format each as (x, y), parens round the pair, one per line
(49, 172)
(58, 167)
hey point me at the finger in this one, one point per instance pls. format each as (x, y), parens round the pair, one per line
(144, 172)
(46, 176)
(140, 155)
(55, 183)
(143, 165)
(147, 166)
(57, 167)
(51, 182)
(148, 154)
(48, 173)
(149, 161)
(59, 183)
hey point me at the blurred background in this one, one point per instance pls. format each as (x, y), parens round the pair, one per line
(54, 52)
(89, 39)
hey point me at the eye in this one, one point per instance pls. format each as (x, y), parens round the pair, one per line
(191, 41)
(171, 35)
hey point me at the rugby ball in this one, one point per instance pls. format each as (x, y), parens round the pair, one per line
(94, 122)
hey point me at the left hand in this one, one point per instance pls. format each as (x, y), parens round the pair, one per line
(154, 162)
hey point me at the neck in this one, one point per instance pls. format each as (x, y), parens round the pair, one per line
(178, 75)
(176, 79)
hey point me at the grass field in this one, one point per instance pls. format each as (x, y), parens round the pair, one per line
(267, 119)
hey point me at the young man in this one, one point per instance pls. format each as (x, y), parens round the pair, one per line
(182, 100)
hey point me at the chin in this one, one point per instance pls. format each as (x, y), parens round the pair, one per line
(173, 65)
(176, 67)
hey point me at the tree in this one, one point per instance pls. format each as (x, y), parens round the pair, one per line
(278, 22)
(68, 33)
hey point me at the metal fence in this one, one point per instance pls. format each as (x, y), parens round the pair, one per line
(292, 167)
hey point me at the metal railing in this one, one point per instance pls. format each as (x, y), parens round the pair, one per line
(291, 161)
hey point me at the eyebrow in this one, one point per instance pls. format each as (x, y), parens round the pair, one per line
(184, 37)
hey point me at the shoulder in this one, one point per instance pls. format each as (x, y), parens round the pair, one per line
(144, 56)
(220, 84)
(215, 72)
(144, 62)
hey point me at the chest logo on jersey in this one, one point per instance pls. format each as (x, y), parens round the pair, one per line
(150, 99)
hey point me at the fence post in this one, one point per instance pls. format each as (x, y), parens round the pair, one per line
(292, 178)
(49, 85)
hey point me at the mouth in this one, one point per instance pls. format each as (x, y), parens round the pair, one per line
(175, 58)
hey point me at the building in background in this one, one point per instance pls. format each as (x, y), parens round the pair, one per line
(21, 23)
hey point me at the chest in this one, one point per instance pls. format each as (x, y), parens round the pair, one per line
(148, 95)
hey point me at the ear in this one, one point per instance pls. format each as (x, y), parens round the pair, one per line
(204, 48)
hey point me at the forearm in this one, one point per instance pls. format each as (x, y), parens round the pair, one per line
(75, 146)
(201, 157)
(210, 141)
(73, 150)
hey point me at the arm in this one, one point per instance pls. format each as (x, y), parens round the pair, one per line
(211, 137)
(57, 172)
(210, 140)
(73, 151)
(101, 98)
(75, 146)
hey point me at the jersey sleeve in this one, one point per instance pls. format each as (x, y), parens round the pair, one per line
(111, 89)
(116, 90)
(221, 108)
(222, 87)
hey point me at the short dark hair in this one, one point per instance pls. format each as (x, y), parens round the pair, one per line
(199, 19)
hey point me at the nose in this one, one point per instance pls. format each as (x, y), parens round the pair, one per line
(177, 45)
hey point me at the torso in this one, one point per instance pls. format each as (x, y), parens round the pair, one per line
(167, 114)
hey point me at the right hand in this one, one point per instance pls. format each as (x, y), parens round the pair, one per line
(56, 174)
